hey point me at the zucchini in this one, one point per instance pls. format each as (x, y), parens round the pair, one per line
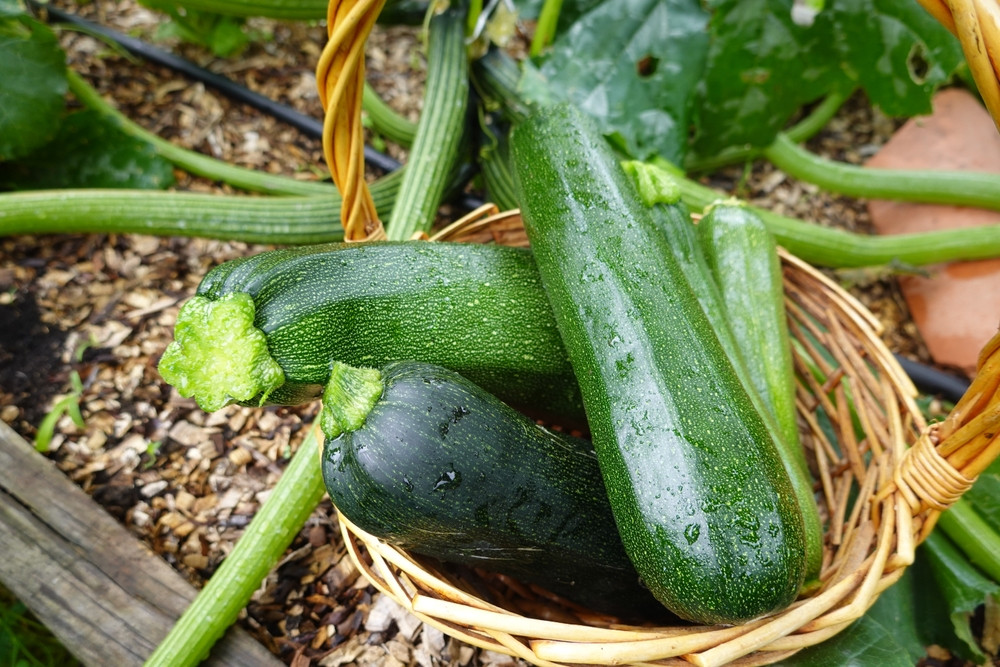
(731, 262)
(744, 261)
(423, 458)
(266, 329)
(700, 495)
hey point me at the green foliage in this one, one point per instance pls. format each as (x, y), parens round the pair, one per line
(736, 71)
(89, 151)
(633, 65)
(224, 35)
(67, 405)
(24, 642)
(33, 72)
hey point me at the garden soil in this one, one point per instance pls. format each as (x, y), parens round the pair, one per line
(102, 306)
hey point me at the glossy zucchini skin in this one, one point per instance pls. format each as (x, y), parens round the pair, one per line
(442, 468)
(477, 309)
(699, 492)
(745, 271)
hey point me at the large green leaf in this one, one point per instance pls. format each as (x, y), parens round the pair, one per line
(962, 588)
(895, 50)
(33, 76)
(633, 65)
(762, 67)
(748, 70)
(88, 151)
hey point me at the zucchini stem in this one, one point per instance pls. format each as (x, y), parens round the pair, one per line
(959, 188)
(436, 145)
(836, 248)
(973, 536)
(277, 522)
(348, 397)
(191, 161)
(273, 220)
(545, 30)
(385, 120)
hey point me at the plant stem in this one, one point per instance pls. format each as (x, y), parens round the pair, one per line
(436, 146)
(836, 248)
(385, 120)
(277, 522)
(545, 30)
(196, 163)
(275, 220)
(960, 188)
(799, 132)
(973, 536)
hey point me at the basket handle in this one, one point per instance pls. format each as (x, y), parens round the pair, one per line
(945, 462)
(340, 77)
(976, 23)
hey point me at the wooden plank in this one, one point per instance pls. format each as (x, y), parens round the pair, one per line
(106, 596)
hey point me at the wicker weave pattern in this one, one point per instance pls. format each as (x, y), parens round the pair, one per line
(883, 474)
(865, 439)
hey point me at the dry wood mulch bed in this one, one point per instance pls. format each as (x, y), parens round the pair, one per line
(103, 306)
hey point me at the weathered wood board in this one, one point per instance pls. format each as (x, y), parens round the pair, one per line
(102, 592)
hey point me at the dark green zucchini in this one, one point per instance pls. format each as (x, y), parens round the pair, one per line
(701, 497)
(732, 265)
(425, 459)
(266, 329)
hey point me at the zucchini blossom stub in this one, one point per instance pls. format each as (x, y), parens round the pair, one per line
(218, 356)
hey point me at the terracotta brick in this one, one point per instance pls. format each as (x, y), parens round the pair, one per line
(956, 306)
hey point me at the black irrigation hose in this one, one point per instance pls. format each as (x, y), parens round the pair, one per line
(305, 124)
(927, 379)
(930, 380)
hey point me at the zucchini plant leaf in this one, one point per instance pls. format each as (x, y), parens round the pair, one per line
(896, 51)
(33, 72)
(88, 151)
(963, 588)
(762, 66)
(733, 73)
(633, 65)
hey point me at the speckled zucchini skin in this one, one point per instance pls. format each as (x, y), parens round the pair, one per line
(700, 495)
(442, 468)
(477, 309)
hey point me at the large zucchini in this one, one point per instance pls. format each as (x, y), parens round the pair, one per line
(699, 491)
(266, 329)
(425, 459)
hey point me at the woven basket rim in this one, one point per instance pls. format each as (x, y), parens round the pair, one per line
(869, 543)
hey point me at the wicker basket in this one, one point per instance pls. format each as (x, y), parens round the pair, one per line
(883, 474)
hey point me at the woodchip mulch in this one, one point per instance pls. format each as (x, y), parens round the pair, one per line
(103, 306)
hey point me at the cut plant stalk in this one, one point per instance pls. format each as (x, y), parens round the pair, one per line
(436, 146)
(274, 220)
(958, 188)
(277, 522)
(193, 162)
